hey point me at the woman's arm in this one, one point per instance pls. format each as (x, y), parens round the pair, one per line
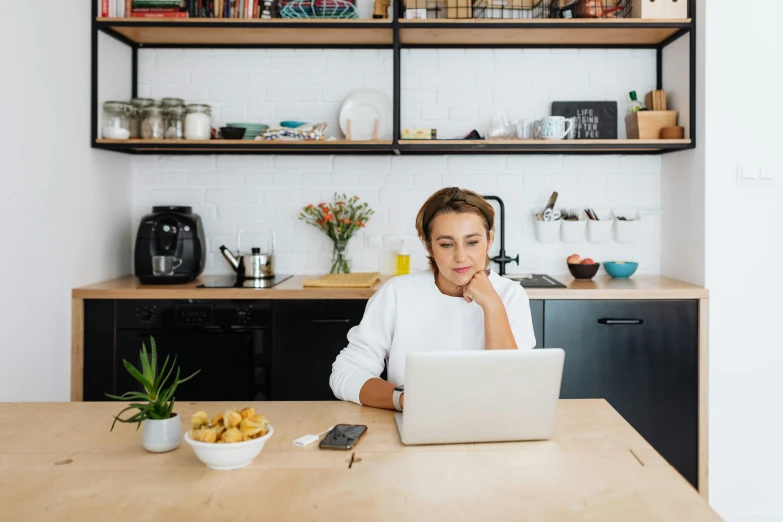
(497, 329)
(378, 394)
(368, 347)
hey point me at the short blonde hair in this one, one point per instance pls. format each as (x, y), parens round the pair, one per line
(454, 203)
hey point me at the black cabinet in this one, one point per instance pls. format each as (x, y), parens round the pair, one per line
(642, 357)
(308, 335)
(537, 313)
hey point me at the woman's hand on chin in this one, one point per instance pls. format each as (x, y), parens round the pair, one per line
(480, 290)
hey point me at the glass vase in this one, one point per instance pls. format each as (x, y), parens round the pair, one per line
(340, 262)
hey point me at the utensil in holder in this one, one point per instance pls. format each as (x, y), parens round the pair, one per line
(626, 225)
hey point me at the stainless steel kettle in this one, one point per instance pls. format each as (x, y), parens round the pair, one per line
(255, 265)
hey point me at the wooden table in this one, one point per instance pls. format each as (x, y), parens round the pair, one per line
(59, 461)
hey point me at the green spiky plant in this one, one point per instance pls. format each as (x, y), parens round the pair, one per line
(158, 399)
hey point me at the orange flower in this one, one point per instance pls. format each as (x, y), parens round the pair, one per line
(319, 221)
(341, 202)
(360, 224)
(356, 197)
(329, 217)
(346, 221)
(321, 204)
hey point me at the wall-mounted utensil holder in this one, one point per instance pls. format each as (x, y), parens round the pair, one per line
(573, 231)
(600, 231)
(626, 225)
(547, 231)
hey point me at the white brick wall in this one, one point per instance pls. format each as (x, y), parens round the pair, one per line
(451, 90)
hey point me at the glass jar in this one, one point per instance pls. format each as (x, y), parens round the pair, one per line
(198, 122)
(116, 120)
(138, 104)
(152, 125)
(175, 122)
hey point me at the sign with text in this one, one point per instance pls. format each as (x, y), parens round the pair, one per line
(594, 120)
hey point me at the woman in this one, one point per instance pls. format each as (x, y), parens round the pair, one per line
(459, 304)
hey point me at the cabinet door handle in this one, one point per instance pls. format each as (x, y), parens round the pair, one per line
(330, 321)
(620, 321)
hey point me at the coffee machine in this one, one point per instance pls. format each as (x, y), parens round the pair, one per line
(170, 246)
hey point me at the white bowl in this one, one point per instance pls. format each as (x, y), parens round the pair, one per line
(231, 455)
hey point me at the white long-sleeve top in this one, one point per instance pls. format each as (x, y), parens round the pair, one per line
(410, 314)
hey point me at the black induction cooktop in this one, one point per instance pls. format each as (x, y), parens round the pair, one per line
(536, 281)
(234, 282)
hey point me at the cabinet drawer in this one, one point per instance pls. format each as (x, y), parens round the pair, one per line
(642, 357)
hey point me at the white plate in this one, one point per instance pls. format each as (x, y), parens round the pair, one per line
(363, 107)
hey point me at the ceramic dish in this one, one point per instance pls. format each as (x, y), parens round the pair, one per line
(362, 108)
(620, 269)
(583, 271)
(232, 455)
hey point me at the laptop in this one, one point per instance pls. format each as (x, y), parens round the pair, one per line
(480, 396)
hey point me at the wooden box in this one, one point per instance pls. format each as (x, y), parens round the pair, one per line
(647, 125)
(659, 9)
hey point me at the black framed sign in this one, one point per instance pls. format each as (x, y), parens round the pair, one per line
(594, 120)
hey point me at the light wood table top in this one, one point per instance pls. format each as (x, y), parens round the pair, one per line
(58, 461)
(602, 287)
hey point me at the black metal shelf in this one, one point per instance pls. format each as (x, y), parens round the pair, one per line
(404, 147)
(395, 35)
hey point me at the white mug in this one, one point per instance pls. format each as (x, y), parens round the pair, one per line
(553, 127)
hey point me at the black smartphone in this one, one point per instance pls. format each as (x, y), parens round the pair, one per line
(342, 436)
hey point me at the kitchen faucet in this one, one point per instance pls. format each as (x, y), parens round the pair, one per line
(502, 259)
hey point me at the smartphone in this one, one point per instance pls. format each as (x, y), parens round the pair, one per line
(342, 436)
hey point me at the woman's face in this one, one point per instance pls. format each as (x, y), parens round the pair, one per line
(459, 246)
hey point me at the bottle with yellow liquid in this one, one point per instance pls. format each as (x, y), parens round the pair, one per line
(403, 261)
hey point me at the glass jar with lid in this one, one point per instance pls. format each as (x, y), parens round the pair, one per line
(152, 125)
(175, 122)
(116, 120)
(198, 122)
(138, 104)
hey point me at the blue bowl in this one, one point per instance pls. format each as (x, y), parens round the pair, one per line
(620, 269)
(292, 124)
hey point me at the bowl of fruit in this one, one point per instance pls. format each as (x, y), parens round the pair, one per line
(582, 268)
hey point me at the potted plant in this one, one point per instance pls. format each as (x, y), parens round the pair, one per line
(155, 405)
(338, 221)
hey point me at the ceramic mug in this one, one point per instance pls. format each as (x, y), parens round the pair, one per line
(553, 127)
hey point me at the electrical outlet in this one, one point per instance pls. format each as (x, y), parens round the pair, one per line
(768, 171)
(749, 170)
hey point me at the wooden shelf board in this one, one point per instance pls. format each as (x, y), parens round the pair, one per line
(546, 32)
(209, 31)
(155, 146)
(546, 145)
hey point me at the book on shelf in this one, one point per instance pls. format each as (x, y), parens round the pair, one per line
(237, 9)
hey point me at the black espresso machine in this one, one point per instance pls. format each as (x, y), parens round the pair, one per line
(170, 246)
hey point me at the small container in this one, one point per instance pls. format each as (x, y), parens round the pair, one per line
(626, 225)
(198, 122)
(620, 269)
(600, 231)
(175, 122)
(116, 120)
(584, 271)
(573, 231)
(547, 231)
(138, 104)
(403, 261)
(153, 126)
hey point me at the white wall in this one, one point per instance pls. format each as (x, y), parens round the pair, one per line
(743, 246)
(451, 90)
(64, 208)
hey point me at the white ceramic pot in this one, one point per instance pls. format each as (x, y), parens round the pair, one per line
(162, 435)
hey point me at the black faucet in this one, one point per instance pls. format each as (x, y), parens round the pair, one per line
(502, 259)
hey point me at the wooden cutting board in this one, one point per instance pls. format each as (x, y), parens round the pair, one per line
(355, 280)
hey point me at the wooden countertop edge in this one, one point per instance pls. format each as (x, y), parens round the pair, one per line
(649, 287)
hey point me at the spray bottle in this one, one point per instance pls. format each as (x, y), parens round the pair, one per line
(403, 260)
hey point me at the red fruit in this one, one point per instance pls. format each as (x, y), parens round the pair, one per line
(588, 261)
(574, 259)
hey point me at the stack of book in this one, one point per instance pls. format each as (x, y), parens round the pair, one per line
(185, 8)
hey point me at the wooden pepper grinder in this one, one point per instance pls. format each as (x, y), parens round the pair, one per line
(381, 9)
